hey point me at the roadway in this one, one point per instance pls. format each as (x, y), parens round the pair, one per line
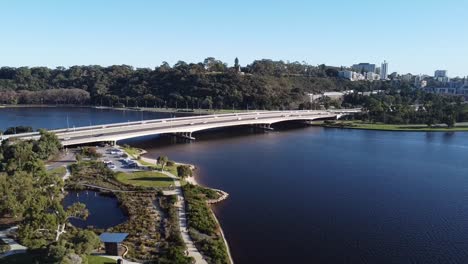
(183, 125)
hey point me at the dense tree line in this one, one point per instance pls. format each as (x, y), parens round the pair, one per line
(409, 107)
(32, 197)
(264, 84)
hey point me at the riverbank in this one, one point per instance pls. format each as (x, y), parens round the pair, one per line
(462, 127)
(138, 155)
(145, 109)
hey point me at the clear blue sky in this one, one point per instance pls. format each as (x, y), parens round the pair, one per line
(417, 36)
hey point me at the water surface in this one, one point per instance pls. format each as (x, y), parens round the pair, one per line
(104, 211)
(314, 195)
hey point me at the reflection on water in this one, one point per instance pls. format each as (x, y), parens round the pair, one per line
(313, 195)
(104, 211)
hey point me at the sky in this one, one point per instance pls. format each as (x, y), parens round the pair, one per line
(414, 36)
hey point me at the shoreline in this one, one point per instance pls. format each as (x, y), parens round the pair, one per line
(392, 128)
(138, 109)
(192, 180)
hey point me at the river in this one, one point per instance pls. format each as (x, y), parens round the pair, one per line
(316, 195)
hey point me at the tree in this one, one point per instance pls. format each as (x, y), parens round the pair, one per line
(184, 171)
(162, 160)
(48, 145)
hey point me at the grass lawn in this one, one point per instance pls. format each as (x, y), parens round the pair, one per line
(60, 171)
(145, 179)
(133, 152)
(390, 127)
(100, 260)
(171, 169)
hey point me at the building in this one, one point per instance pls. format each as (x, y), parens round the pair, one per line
(384, 71)
(440, 74)
(371, 76)
(112, 242)
(364, 67)
(350, 75)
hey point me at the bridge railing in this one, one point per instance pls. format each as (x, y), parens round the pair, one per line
(180, 119)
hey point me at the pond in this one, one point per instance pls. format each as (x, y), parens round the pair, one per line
(104, 211)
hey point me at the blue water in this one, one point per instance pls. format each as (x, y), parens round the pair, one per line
(56, 117)
(104, 211)
(315, 195)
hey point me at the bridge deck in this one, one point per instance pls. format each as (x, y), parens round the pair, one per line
(119, 131)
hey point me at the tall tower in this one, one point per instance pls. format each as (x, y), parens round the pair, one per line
(384, 71)
(236, 65)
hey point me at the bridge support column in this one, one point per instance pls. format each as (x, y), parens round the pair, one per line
(185, 135)
(263, 127)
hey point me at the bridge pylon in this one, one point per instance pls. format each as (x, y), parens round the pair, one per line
(185, 135)
(264, 127)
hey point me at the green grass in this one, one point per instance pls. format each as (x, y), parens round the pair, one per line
(100, 260)
(60, 171)
(133, 152)
(145, 179)
(391, 127)
(171, 169)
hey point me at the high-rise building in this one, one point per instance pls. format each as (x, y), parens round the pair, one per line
(364, 67)
(440, 74)
(384, 71)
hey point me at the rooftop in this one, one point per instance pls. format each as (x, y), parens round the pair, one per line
(113, 237)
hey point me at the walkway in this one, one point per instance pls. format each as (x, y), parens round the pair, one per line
(183, 225)
(15, 248)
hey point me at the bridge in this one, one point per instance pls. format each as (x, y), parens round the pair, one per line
(182, 126)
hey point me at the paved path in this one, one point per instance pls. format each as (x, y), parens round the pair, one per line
(66, 158)
(183, 226)
(15, 248)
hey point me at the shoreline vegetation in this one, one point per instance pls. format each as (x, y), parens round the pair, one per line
(197, 111)
(199, 200)
(462, 127)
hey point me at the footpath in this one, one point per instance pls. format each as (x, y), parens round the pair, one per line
(15, 247)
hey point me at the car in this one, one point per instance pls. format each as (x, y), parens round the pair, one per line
(99, 135)
(66, 138)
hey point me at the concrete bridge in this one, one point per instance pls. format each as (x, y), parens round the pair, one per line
(182, 126)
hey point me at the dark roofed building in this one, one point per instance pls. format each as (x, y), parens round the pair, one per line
(111, 242)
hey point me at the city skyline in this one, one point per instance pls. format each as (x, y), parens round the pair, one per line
(143, 34)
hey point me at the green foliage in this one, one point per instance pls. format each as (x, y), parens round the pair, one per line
(162, 161)
(90, 152)
(32, 195)
(17, 130)
(408, 107)
(84, 241)
(203, 226)
(184, 171)
(47, 146)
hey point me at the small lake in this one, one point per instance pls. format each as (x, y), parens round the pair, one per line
(104, 211)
